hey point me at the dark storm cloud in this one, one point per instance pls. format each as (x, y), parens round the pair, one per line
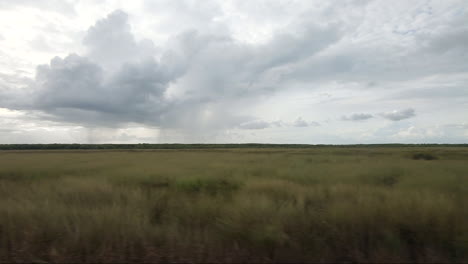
(70, 82)
(357, 117)
(75, 89)
(398, 115)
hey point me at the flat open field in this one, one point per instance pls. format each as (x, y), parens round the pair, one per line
(372, 204)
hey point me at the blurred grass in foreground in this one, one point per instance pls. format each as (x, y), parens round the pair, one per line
(238, 205)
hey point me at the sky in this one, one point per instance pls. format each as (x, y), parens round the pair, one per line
(231, 71)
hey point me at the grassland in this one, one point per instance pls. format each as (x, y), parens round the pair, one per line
(369, 204)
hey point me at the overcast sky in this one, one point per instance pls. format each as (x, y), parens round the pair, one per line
(231, 71)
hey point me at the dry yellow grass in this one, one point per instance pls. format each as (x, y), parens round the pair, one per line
(234, 205)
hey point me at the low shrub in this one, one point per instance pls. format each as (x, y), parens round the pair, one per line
(424, 156)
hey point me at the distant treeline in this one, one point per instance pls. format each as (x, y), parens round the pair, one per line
(202, 146)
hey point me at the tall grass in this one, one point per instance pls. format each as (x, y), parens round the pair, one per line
(238, 205)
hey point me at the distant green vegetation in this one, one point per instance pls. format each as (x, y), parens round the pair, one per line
(202, 146)
(314, 204)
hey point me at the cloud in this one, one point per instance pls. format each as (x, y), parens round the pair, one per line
(190, 14)
(414, 132)
(197, 82)
(256, 124)
(261, 124)
(398, 115)
(299, 122)
(110, 42)
(74, 89)
(459, 126)
(117, 81)
(40, 43)
(278, 123)
(60, 6)
(357, 117)
(450, 41)
(227, 64)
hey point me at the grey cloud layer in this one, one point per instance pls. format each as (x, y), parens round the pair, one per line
(357, 117)
(207, 79)
(77, 90)
(299, 122)
(256, 124)
(120, 80)
(395, 115)
(398, 115)
(262, 124)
